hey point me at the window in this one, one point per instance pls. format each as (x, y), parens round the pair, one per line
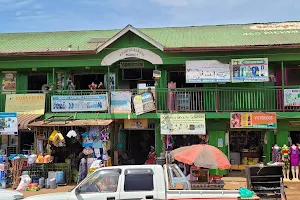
(103, 181)
(138, 180)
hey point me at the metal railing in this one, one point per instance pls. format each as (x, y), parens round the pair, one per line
(218, 99)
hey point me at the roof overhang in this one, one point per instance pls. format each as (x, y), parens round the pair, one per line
(229, 48)
(49, 53)
(136, 32)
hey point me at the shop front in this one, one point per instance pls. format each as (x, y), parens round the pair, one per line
(179, 130)
(29, 107)
(248, 138)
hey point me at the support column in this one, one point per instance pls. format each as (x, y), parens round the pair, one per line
(158, 141)
(282, 84)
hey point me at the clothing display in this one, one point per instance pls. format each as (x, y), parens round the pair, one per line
(294, 155)
(276, 155)
(285, 157)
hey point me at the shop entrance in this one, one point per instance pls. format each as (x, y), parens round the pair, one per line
(26, 142)
(295, 137)
(35, 82)
(139, 143)
(246, 148)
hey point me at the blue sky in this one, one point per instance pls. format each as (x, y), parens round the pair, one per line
(59, 15)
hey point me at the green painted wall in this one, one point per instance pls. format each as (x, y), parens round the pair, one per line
(217, 131)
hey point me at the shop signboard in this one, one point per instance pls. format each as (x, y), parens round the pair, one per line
(292, 97)
(143, 103)
(253, 120)
(120, 102)
(250, 70)
(79, 103)
(25, 103)
(8, 123)
(135, 123)
(207, 71)
(182, 124)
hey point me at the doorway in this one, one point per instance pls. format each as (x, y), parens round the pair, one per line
(35, 82)
(139, 143)
(295, 137)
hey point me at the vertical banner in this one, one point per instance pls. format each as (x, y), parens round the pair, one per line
(250, 70)
(9, 82)
(112, 81)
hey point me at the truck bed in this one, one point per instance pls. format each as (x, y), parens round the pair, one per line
(203, 194)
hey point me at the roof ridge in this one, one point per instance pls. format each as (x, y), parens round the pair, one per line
(147, 28)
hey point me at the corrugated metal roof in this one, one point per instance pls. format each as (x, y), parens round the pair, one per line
(172, 37)
(25, 119)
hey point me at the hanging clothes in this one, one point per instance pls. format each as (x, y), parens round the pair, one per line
(285, 157)
(276, 154)
(171, 86)
(294, 156)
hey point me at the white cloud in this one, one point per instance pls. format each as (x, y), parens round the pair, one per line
(14, 4)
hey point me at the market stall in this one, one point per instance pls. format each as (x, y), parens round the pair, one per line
(61, 146)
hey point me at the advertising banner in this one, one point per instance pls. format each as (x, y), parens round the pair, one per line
(8, 123)
(292, 97)
(143, 103)
(207, 71)
(253, 120)
(120, 102)
(182, 124)
(9, 82)
(79, 103)
(135, 123)
(25, 103)
(250, 70)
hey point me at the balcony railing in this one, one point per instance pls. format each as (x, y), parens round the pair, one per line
(219, 99)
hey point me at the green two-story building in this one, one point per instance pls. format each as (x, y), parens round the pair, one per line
(70, 62)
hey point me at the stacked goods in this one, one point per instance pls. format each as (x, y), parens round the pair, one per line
(33, 187)
(17, 166)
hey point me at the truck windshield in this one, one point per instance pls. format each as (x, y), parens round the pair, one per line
(101, 181)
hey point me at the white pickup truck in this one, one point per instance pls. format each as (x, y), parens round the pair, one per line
(136, 182)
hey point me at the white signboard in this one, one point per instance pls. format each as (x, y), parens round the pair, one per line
(207, 71)
(79, 103)
(182, 124)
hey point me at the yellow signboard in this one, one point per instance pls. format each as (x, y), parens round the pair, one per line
(135, 123)
(25, 103)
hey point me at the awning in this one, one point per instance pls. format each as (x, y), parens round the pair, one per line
(90, 122)
(25, 119)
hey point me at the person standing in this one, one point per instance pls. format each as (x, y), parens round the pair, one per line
(82, 172)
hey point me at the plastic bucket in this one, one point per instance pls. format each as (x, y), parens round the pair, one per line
(35, 180)
(60, 177)
(42, 182)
